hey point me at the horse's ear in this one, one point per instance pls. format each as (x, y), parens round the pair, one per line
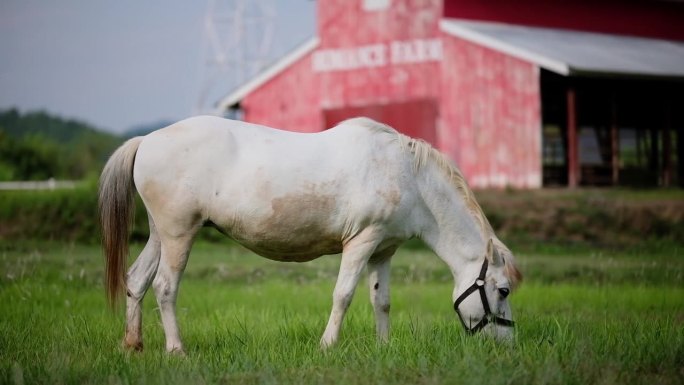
(490, 250)
(493, 255)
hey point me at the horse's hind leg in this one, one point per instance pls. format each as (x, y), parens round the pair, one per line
(138, 280)
(174, 257)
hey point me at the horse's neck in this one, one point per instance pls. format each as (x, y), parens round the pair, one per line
(451, 230)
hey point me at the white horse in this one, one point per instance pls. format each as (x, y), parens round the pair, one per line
(360, 188)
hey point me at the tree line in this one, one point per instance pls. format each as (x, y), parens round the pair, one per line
(37, 146)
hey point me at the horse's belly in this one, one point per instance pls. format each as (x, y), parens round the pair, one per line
(294, 231)
(297, 245)
(296, 225)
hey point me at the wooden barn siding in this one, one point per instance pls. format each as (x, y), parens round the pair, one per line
(344, 24)
(647, 18)
(296, 98)
(490, 116)
(288, 101)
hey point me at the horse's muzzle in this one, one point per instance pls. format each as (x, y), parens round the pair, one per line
(489, 317)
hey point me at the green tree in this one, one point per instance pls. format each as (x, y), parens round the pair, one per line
(37, 146)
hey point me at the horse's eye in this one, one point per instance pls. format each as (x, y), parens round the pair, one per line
(504, 292)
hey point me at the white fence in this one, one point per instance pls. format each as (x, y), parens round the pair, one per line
(49, 184)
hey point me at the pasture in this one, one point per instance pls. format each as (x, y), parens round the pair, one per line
(583, 315)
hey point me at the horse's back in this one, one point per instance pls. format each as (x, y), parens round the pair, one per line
(286, 195)
(206, 145)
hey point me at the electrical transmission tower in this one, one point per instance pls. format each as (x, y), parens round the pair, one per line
(237, 45)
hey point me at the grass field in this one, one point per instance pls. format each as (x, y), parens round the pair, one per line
(584, 316)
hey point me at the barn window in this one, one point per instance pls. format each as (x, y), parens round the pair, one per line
(554, 147)
(235, 112)
(375, 5)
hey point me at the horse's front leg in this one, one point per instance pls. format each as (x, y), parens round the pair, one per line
(378, 282)
(355, 255)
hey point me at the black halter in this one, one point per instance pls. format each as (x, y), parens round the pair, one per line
(479, 285)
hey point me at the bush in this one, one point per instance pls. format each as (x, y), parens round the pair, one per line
(608, 218)
(56, 215)
(67, 215)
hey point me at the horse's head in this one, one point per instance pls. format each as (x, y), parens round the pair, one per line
(482, 302)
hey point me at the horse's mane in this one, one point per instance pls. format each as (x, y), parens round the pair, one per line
(423, 153)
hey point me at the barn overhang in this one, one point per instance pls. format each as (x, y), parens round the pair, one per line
(569, 53)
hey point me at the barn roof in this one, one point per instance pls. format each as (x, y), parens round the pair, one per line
(269, 73)
(573, 52)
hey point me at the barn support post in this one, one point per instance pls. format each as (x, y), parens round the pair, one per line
(614, 142)
(573, 153)
(679, 130)
(654, 156)
(667, 147)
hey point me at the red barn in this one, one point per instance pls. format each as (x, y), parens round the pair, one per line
(521, 94)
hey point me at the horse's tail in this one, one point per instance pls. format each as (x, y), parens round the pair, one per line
(117, 208)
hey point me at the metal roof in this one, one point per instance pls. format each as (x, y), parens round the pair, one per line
(573, 52)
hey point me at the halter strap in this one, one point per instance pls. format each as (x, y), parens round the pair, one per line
(479, 285)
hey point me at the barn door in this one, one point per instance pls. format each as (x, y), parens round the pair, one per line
(415, 118)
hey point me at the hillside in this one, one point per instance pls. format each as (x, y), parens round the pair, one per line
(38, 145)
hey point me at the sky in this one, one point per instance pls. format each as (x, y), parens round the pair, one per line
(118, 64)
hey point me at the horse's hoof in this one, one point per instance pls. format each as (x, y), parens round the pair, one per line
(132, 346)
(326, 345)
(178, 352)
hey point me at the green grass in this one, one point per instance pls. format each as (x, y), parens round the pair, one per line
(583, 316)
